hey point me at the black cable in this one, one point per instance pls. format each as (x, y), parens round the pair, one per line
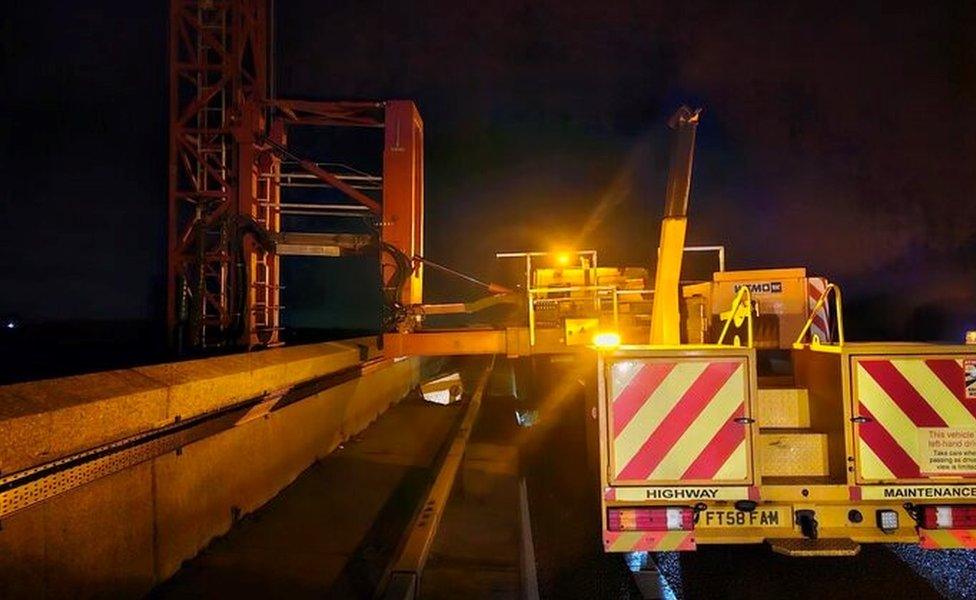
(393, 287)
(453, 272)
(234, 232)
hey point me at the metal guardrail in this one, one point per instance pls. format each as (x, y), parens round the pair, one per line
(402, 578)
(838, 308)
(719, 250)
(741, 311)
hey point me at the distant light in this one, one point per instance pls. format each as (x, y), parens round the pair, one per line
(11, 325)
(563, 258)
(526, 418)
(971, 337)
(606, 339)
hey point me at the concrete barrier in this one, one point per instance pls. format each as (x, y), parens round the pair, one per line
(121, 534)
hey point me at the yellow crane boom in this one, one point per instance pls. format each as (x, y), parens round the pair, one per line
(665, 313)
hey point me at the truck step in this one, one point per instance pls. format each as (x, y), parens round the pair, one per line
(775, 381)
(794, 454)
(783, 407)
(817, 547)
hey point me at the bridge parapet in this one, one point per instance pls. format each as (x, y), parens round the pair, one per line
(185, 449)
(41, 421)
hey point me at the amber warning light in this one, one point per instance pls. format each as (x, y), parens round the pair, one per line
(606, 339)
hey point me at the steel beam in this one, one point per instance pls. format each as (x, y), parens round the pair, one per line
(513, 341)
(403, 194)
(321, 244)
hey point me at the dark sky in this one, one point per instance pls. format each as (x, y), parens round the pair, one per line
(838, 137)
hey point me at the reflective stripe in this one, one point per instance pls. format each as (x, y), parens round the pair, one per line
(736, 466)
(870, 463)
(639, 386)
(908, 399)
(648, 541)
(714, 456)
(942, 400)
(700, 437)
(951, 375)
(655, 408)
(946, 539)
(891, 452)
(820, 326)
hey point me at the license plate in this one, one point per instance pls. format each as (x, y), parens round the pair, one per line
(761, 517)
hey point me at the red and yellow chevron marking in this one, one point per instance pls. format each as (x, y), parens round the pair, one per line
(898, 396)
(675, 420)
(648, 541)
(820, 326)
(945, 539)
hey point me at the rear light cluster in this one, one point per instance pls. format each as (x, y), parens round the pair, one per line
(651, 519)
(949, 517)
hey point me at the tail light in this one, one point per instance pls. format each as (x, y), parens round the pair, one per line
(672, 518)
(949, 517)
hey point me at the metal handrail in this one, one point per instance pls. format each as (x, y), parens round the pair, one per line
(744, 295)
(574, 288)
(838, 308)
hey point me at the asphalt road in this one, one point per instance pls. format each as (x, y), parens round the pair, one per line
(877, 572)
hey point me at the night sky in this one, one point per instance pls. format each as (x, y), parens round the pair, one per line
(841, 138)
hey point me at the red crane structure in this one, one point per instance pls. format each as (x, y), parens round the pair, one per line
(228, 138)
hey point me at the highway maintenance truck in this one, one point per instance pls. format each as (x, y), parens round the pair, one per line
(749, 418)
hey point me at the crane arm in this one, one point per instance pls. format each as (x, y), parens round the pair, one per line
(665, 312)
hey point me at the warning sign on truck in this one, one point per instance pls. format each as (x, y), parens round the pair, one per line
(947, 450)
(969, 370)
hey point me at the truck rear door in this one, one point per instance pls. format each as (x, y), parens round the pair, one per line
(915, 417)
(680, 420)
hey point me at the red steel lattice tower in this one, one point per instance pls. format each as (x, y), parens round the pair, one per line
(223, 287)
(227, 139)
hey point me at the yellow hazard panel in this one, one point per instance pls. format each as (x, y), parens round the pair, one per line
(648, 541)
(678, 420)
(915, 417)
(947, 539)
